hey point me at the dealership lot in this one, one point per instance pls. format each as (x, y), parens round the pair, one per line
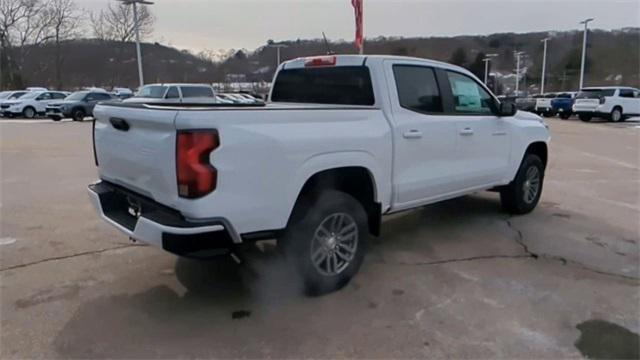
(457, 279)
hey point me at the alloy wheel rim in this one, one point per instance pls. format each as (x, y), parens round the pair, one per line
(334, 244)
(616, 115)
(531, 185)
(29, 113)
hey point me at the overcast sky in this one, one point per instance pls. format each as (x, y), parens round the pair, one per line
(225, 24)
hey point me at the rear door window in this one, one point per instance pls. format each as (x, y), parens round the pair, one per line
(340, 85)
(418, 88)
(626, 93)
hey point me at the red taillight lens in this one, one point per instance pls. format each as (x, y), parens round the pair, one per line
(196, 176)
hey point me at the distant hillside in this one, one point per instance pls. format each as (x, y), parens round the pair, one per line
(613, 58)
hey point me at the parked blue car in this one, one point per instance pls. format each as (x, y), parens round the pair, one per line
(562, 104)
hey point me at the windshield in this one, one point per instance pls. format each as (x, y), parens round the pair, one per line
(76, 96)
(565, 96)
(152, 91)
(549, 96)
(595, 93)
(31, 95)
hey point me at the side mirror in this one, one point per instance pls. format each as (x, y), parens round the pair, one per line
(507, 109)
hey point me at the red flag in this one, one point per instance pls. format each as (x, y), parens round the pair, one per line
(357, 7)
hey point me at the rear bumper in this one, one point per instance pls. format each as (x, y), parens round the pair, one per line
(591, 113)
(147, 221)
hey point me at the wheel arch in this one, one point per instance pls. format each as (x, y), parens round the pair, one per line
(356, 180)
(540, 149)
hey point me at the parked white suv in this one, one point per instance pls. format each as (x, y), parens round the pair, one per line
(345, 140)
(174, 93)
(614, 103)
(31, 104)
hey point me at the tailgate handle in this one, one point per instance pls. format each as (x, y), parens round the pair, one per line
(119, 124)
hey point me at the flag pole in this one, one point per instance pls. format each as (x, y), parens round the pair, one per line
(362, 20)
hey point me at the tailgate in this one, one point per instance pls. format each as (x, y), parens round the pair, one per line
(135, 148)
(543, 103)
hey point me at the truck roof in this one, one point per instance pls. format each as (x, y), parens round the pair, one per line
(351, 60)
(178, 84)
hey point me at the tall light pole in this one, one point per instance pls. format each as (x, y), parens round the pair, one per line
(584, 50)
(487, 59)
(278, 47)
(518, 54)
(544, 64)
(136, 26)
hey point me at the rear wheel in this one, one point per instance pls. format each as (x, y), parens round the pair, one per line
(616, 115)
(585, 117)
(55, 118)
(523, 194)
(78, 115)
(29, 112)
(326, 240)
(565, 116)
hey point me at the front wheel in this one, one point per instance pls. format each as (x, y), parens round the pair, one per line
(523, 194)
(326, 240)
(565, 116)
(29, 112)
(55, 118)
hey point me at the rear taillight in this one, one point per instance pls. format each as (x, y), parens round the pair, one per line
(196, 176)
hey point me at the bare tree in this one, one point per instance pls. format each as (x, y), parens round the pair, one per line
(116, 23)
(12, 13)
(24, 24)
(64, 22)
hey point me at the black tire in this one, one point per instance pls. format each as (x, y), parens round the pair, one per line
(55, 118)
(547, 114)
(585, 117)
(565, 116)
(313, 217)
(616, 114)
(29, 112)
(78, 115)
(516, 197)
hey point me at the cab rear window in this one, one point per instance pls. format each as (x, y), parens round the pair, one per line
(340, 85)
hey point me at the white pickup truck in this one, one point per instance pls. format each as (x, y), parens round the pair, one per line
(343, 141)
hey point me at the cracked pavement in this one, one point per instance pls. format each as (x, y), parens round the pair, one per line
(457, 279)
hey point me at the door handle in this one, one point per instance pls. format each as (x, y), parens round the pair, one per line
(412, 134)
(466, 131)
(119, 124)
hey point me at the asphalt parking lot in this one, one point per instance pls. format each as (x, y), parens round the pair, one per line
(459, 279)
